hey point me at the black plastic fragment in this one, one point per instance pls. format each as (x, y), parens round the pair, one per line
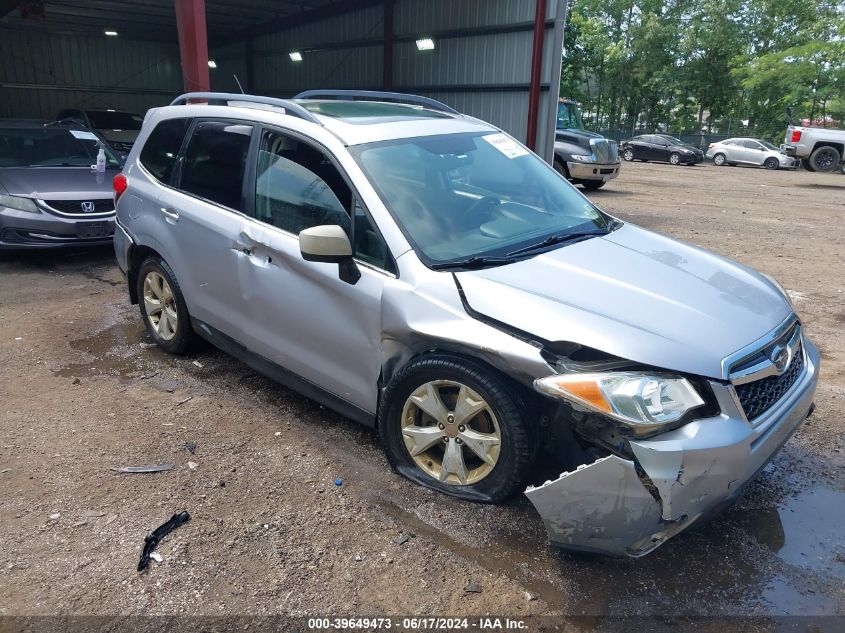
(153, 539)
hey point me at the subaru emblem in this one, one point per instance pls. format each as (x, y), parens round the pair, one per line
(88, 207)
(780, 357)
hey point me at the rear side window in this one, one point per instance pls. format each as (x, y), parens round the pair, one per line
(162, 148)
(215, 160)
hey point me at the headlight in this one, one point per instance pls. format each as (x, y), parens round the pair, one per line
(584, 158)
(635, 398)
(21, 204)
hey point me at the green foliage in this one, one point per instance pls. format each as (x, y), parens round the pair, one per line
(711, 66)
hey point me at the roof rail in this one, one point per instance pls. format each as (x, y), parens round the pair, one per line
(294, 109)
(376, 95)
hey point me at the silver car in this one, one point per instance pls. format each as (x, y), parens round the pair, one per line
(50, 195)
(425, 274)
(750, 151)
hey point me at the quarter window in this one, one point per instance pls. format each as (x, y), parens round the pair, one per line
(162, 148)
(215, 160)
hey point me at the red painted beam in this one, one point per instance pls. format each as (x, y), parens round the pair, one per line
(536, 67)
(193, 44)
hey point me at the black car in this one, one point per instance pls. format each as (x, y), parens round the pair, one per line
(661, 148)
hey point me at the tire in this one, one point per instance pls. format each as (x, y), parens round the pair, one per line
(771, 163)
(443, 378)
(175, 338)
(720, 160)
(560, 167)
(825, 158)
(805, 163)
(628, 154)
(674, 158)
(592, 185)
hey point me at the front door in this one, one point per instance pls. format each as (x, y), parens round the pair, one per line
(303, 317)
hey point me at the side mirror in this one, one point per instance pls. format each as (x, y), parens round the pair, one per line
(329, 244)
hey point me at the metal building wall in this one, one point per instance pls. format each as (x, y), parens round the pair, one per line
(40, 74)
(481, 64)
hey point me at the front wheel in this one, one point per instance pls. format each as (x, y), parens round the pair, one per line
(628, 154)
(453, 425)
(163, 307)
(771, 163)
(592, 185)
(560, 167)
(675, 158)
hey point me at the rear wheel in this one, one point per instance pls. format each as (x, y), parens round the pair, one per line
(719, 160)
(163, 307)
(455, 426)
(675, 158)
(825, 158)
(771, 163)
(628, 154)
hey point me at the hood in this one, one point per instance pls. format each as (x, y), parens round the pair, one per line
(56, 183)
(634, 294)
(577, 132)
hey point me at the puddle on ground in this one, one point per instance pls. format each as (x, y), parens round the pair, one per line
(804, 530)
(124, 350)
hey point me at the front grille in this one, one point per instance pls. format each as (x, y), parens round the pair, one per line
(759, 396)
(74, 207)
(605, 150)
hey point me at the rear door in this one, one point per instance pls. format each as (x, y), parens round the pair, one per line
(203, 214)
(302, 316)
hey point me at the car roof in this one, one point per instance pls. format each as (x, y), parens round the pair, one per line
(354, 122)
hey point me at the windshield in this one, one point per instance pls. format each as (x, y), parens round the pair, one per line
(105, 120)
(50, 147)
(459, 196)
(569, 116)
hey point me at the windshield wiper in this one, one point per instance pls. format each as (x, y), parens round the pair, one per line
(474, 262)
(558, 238)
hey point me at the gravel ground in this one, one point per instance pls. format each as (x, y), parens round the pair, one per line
(82, 390)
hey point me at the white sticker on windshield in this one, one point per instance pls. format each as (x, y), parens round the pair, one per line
(85, 136)
(507, 146)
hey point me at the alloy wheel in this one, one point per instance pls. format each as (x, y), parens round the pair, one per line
(160, 305)
(824, 160)
(451, 432)
(628, 155)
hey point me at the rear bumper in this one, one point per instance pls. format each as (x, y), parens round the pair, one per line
(593, 171)
(691, 472)
(21, 230)
(122, 242)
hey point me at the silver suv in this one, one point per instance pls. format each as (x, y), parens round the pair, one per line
(423, 273)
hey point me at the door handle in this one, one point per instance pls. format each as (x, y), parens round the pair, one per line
(170, 214)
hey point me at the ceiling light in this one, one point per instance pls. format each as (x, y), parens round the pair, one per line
(425, 44)
(212, 63)
(111, 33)
(295, 56)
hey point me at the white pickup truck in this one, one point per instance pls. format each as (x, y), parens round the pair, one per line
(820, 149)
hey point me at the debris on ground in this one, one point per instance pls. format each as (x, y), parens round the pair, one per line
(473, 587)
(197, 363)
(191, 447)
(193, 465)
(55, 516)
(153, 539)
(156, 557)
(338, 482)
(401, 539)
(181, 402)
(93, 514)
(145, 469)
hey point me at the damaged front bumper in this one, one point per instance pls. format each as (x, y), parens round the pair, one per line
(630, 507)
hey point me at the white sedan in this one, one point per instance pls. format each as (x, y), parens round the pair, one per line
(749, 151)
